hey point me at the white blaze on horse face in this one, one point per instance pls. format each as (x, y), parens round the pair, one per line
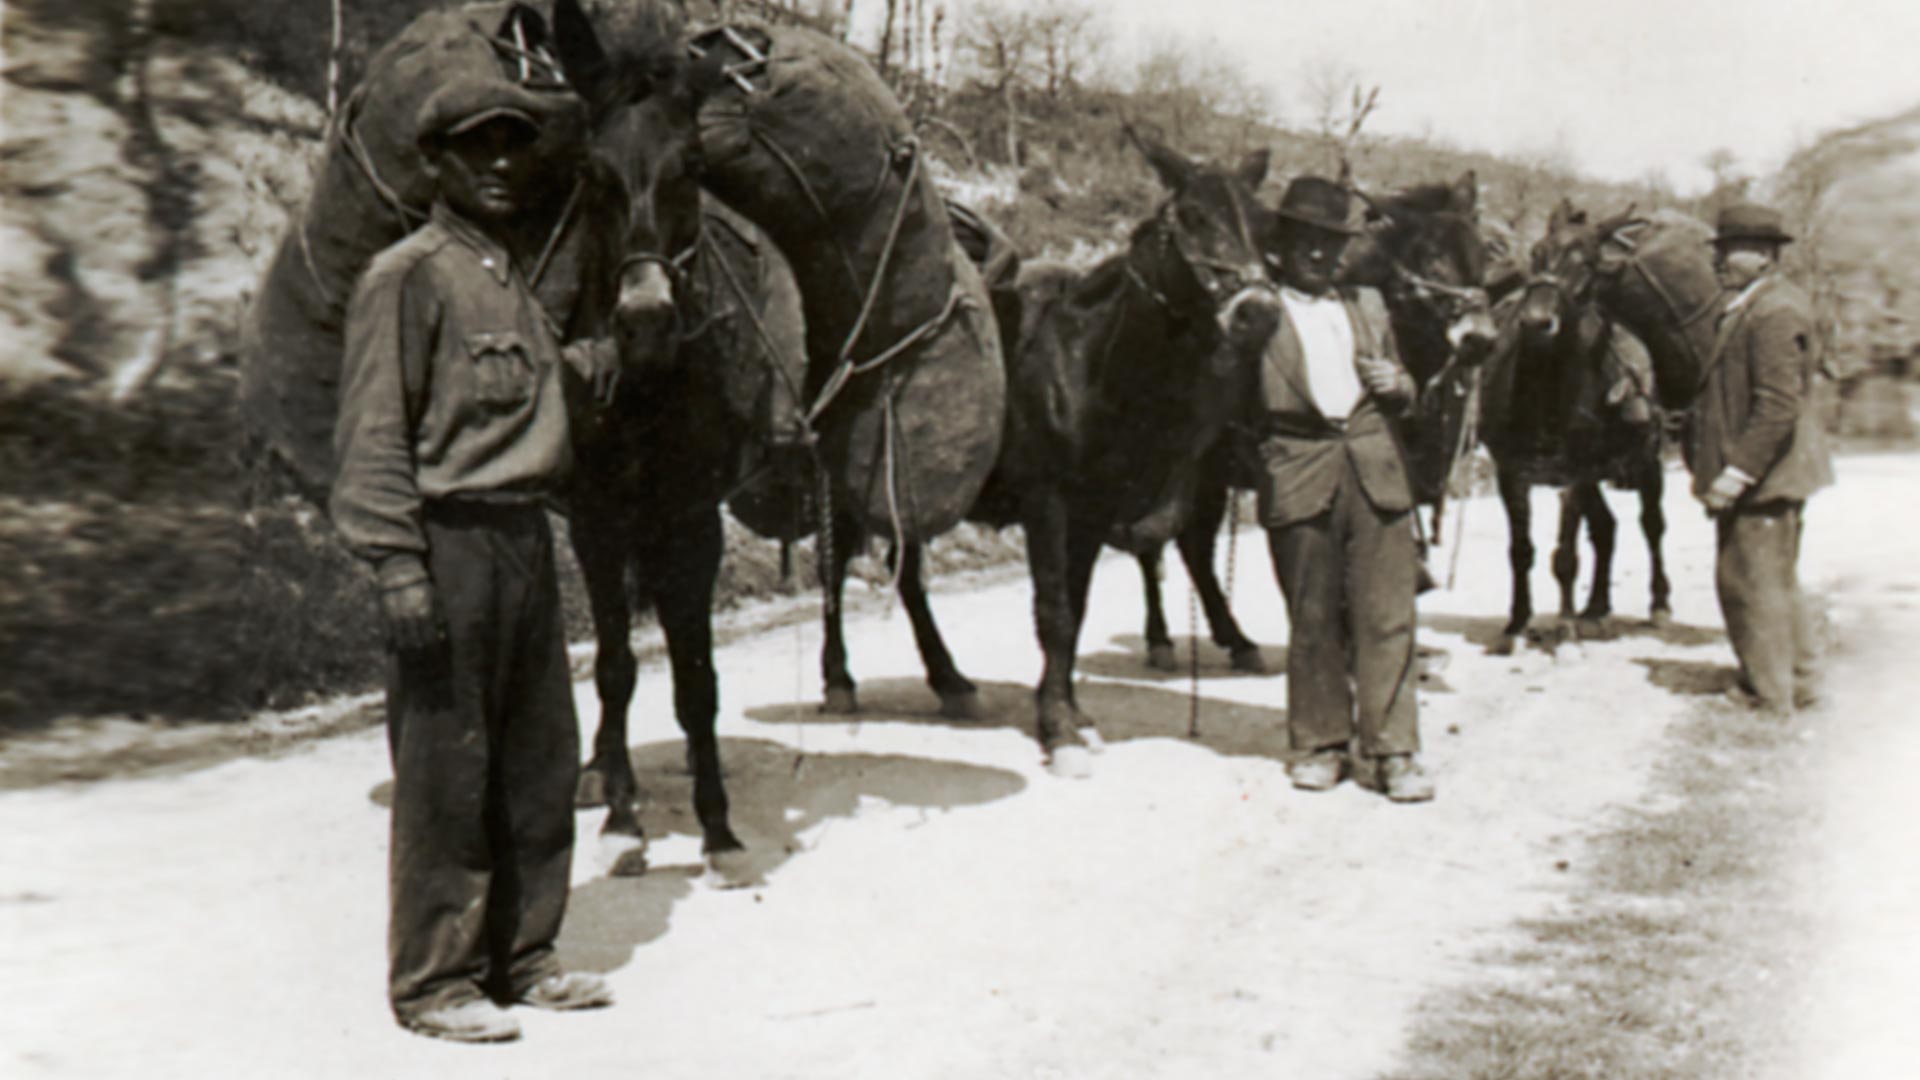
(646, 292)
(1473, 328)
(1250, 316)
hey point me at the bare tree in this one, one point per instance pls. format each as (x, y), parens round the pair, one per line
(1067, 33)
(997, 39)
(1339, 105)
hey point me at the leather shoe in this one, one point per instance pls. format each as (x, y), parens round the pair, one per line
(1404, 779)
(1318, 771)
(476, 1021)
(569, 992)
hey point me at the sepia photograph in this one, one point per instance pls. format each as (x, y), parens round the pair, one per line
(959, 539)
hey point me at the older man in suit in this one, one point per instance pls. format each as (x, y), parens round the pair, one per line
(1334, 498)
(1757, 452)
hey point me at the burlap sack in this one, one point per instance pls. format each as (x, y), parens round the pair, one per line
(370, 190)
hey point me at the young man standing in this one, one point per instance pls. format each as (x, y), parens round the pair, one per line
(1335, 501)
(452, 433)
(1758, 451)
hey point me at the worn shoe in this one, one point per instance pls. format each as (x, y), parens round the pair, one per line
(569, 992)
(1318, 771)
(476, 1021)
(1404, 779)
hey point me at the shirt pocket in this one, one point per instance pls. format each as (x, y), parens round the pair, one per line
(503, 375)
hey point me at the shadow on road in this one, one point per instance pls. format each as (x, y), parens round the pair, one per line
(776, 794)
(1547, 632)
(1128, 660)
(1121, 711)
(1693, 677)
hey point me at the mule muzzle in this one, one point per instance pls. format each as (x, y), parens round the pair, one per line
(1250, 316)
(646, 317)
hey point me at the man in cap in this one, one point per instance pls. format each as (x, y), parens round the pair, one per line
(452, 434)
(1335, 500)
(1757, 452)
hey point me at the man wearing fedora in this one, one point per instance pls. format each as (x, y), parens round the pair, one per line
(1757, 451)
(452, 435)
(1335, 500)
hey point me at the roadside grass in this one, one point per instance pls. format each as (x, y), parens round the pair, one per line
(1679, 950)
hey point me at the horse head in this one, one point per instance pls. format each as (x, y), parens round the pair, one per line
(1200, 252)
(642, 134)
(1424, 250)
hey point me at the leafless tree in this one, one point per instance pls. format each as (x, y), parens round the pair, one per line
(998, 41)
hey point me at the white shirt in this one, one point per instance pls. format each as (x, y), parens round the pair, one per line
(1326, 341)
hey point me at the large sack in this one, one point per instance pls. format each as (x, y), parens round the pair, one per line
(810, 144)
(370, 190)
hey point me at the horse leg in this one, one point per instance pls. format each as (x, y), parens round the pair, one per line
(1057, 625)
(840, 695)
(1653, 522)
(1601, 530)
(1513, 497)
(959, 698)
(683, 596)
(1159, 644)
(1566, 549)
(608, 778)
(1196, 551)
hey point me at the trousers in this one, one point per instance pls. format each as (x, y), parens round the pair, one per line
(1757, 578)
(1349, 576)
(485, 748)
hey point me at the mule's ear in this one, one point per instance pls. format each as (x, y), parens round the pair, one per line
(1174, 170)
(1466, 192)
(581, 57)
(1253, 168)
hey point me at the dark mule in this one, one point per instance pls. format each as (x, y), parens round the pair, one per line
(1426, 254)
(1574, 398)
(906, 385)
(1122, 379)
(698, 309)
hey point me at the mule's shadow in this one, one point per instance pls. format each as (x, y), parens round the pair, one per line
(1120, 711)
(1127, 659)
(776, 794)
(1549, 631)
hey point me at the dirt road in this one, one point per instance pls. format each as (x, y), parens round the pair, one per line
(933, 904)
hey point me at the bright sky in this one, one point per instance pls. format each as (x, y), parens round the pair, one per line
(1626, 86)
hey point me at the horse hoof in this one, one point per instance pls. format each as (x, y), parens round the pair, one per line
(1506, 646)
(1247, 659)
(624, 854)
(732, 868)
(1662, 619)
(841, 701)
(1095, 744)
(1161, 658)
(961, 706)
(591, 791)
(1070, 762)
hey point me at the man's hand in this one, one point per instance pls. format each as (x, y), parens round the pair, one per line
(1384, 378)
(414, 620)
(597, 360)
(1725, 490)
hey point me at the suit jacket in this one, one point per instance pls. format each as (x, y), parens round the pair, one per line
(1301, 455)
(1756, 410)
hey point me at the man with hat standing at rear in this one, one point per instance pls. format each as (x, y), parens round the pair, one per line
(451, 436)
(1757, 452)
(1335, 500)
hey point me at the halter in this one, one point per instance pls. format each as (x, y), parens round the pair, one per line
(1226, 281)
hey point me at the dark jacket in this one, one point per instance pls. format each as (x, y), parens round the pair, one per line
(1301, 454)
(1755, 411)
(450, 388)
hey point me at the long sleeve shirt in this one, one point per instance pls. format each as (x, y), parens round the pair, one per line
(450, 388)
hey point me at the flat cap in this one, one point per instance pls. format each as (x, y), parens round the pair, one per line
(466, 103)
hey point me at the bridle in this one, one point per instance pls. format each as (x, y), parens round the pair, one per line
(1221, 282)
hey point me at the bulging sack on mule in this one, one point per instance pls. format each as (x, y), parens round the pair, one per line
(370, 190)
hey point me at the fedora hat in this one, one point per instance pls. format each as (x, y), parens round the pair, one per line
(1749, 221)
(1319, 202)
